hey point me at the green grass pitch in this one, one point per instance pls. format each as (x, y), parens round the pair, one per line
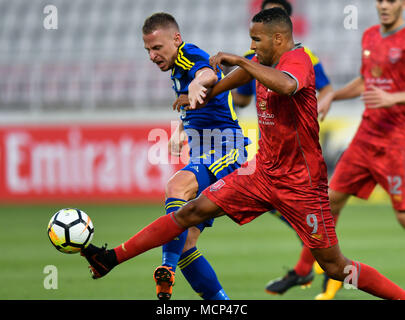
(245, 258)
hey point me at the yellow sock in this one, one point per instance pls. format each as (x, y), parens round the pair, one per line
(317, 268)
(332, 287)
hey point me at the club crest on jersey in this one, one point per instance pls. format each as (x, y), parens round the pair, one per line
(217, 185)
(263, 104)
(394, 54)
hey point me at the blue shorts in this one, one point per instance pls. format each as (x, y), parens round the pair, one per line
(214, 156)
(207, 174)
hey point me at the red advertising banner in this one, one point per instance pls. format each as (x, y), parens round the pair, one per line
(86, 163)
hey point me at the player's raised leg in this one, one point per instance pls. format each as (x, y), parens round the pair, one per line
(161, 231)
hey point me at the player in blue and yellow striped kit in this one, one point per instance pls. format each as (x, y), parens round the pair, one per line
(217, 147)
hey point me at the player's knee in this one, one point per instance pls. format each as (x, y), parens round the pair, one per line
(173, 189)
(181, 186)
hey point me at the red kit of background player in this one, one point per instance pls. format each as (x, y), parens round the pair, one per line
(381, 134)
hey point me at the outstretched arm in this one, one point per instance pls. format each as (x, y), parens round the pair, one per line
(197, 89)
(352, 90)
(378, 98)
(273, 79)
(234, 79)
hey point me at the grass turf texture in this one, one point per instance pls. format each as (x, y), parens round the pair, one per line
(245, 258)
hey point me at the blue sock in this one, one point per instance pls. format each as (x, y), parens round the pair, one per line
(202, 278)
(171, 251)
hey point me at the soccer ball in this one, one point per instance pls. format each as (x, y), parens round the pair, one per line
(70, 230)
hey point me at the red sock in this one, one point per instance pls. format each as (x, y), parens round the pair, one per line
(159, 232)
(305, 263)
(373, 282)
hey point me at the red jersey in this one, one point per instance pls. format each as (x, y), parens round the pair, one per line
(383, 65)
(289, 148)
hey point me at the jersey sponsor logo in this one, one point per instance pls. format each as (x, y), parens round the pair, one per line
(217, 185)
(394, 54)
(265, 118)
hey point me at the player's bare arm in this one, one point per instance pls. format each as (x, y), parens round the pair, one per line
(234, 79)
(352, 90)
(378, 98)
(273, 79)
(197, 90)
(324, 91)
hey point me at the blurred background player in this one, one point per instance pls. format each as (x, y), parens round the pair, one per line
(376, 154)
(210, 159)
(242, 97)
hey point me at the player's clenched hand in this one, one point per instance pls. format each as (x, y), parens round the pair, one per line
(182, 100)
(377, 98)
(223, 58)
(324, 105)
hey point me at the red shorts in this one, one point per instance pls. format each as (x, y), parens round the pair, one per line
(363, 165)
(245, 197)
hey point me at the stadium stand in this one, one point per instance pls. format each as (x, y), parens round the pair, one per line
(95, 60)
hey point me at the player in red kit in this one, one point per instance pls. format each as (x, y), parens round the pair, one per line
(376, 154)
(290, 173)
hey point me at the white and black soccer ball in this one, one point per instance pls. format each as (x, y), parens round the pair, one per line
(70, 230)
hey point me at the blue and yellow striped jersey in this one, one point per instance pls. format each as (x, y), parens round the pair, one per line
(219, 112)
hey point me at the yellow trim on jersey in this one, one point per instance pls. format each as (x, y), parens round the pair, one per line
(181, 65)
(183, 263)
(314, 58)
(230, 105)
(182, 61)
